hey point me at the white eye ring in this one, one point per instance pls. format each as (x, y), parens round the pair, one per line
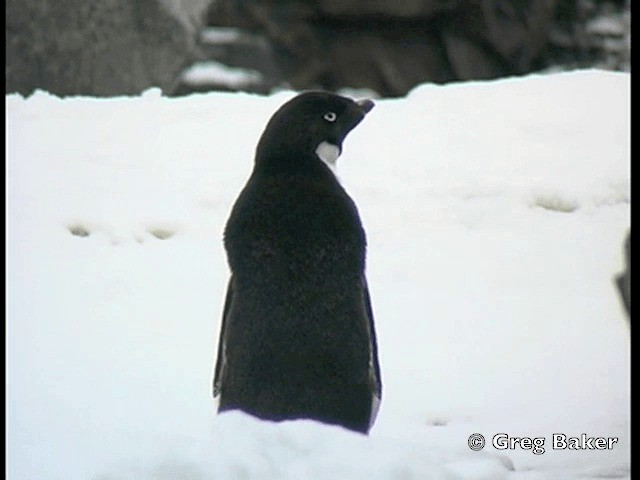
(330, 117)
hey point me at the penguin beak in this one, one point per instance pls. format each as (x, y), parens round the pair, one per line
(365, 105)
(352, 117)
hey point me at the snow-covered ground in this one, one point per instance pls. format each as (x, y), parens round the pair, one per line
(495, 212)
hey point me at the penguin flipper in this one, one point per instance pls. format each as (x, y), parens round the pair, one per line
(221, 360)
(375, 366)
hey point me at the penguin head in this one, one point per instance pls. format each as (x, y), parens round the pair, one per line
(312, 125)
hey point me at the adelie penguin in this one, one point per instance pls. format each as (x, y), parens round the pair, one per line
(297, 339)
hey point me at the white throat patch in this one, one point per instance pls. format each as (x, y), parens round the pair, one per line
(328, 153)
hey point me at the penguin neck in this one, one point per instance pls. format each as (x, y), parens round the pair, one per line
(291, 162)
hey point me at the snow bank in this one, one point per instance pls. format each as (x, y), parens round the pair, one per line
(495, 214)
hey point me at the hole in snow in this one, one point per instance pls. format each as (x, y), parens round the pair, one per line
(161, 233)
(437, 422)
(79, 231)
(556, 203)
(506, 462)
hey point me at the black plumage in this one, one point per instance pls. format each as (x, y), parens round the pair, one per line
(297, 337)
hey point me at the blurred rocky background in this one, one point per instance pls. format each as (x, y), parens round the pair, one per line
(117, 47)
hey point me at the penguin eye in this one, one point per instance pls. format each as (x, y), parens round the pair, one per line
(330, 117)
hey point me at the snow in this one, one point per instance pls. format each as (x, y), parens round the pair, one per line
(216, 35)
(495, 213)
(606, 25)
(206, 72)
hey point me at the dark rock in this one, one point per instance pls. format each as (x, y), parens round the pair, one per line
(239, 51)
(402, 9)
(518, 31)
(384, 61)
(470, 60)
(109, 47)
(390, 47)
(115, 47)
